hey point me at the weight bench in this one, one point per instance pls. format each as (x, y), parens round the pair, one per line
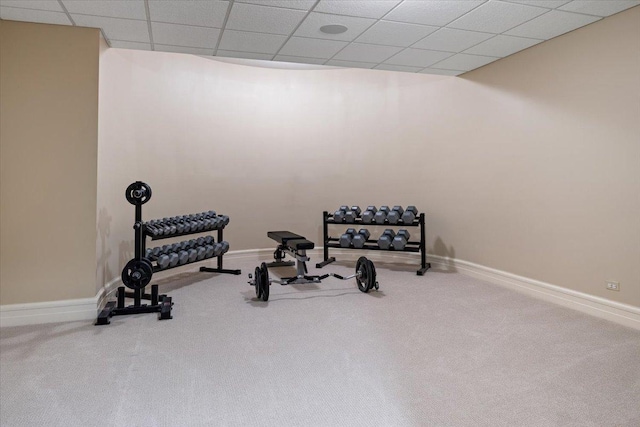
(297, 246)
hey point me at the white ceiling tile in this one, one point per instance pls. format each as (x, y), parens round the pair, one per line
(130, 9)
(51, 5)
(501, 46)
(184, 35)
(299, 60)
(451, 40)
(245, 55)
(312, 48)
(31, 15)
(497, 17)
(464, 62)
(599, 8)
(288, 4)
(310, 27)
(417, 57)
(441, 72)
(395, 34)
(366, 52)
(366, 9)
(262, 19)
(389, 67)
(130, 45)
(350, 64)
(116, 28)
(552, 24)
(251, 42)
(549, 4)
(431, 12)
(182, 49)
(204, 13)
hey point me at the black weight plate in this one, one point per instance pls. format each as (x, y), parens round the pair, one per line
(362, 279)
(257, 277)
(137, 274)
(374, 275)
(371, 276)
(265, 281)
(148, 262)
(138, 193)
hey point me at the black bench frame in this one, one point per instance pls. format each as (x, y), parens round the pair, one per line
(296, 246)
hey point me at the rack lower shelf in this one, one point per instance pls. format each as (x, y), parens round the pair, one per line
(375, 248)
(419, 272)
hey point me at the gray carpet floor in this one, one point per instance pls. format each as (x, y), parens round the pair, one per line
(439, 350)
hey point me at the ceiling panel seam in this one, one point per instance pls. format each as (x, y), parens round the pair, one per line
(224, 27)
(296, 28)
(148, 13)
(377, 20)
(418, 41)
(68, 14)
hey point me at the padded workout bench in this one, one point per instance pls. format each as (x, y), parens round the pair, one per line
(296, 246)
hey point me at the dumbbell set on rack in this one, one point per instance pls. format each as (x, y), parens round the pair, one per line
(185, 224)
(389, 240)
(352, 239)
(169, 256)
(372, 215)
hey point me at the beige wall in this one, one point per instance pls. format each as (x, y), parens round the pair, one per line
(529, 165)
(48, 159)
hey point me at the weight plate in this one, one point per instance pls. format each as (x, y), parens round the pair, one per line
(362, 278)
(137, 273)
(265, 281)
(257, 277)
(373, 269)
(148, 262)
(371, 277)
(138, 193)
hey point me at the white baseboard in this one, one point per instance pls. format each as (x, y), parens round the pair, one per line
(87, 308)
(623, 314)
(48, 312)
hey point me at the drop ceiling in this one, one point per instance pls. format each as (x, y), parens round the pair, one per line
(418, 36)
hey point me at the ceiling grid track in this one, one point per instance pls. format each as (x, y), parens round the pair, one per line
(224, 27)
(444, 26)
(494, 35)
(295, 29)
(64, 8)
(353, 41)
(146, 10)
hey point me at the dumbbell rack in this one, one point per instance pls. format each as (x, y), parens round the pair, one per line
(371, 244)
(159, 303)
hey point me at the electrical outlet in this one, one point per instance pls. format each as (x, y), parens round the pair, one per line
(613, 286)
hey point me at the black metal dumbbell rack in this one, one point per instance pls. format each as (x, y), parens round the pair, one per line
(371, 244)
(137, 273)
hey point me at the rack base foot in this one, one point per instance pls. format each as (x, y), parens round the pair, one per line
(113, 308)
(423, 270)
(220, 270)
(323, 263)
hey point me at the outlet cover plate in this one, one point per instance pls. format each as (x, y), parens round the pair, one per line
(613, 286)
